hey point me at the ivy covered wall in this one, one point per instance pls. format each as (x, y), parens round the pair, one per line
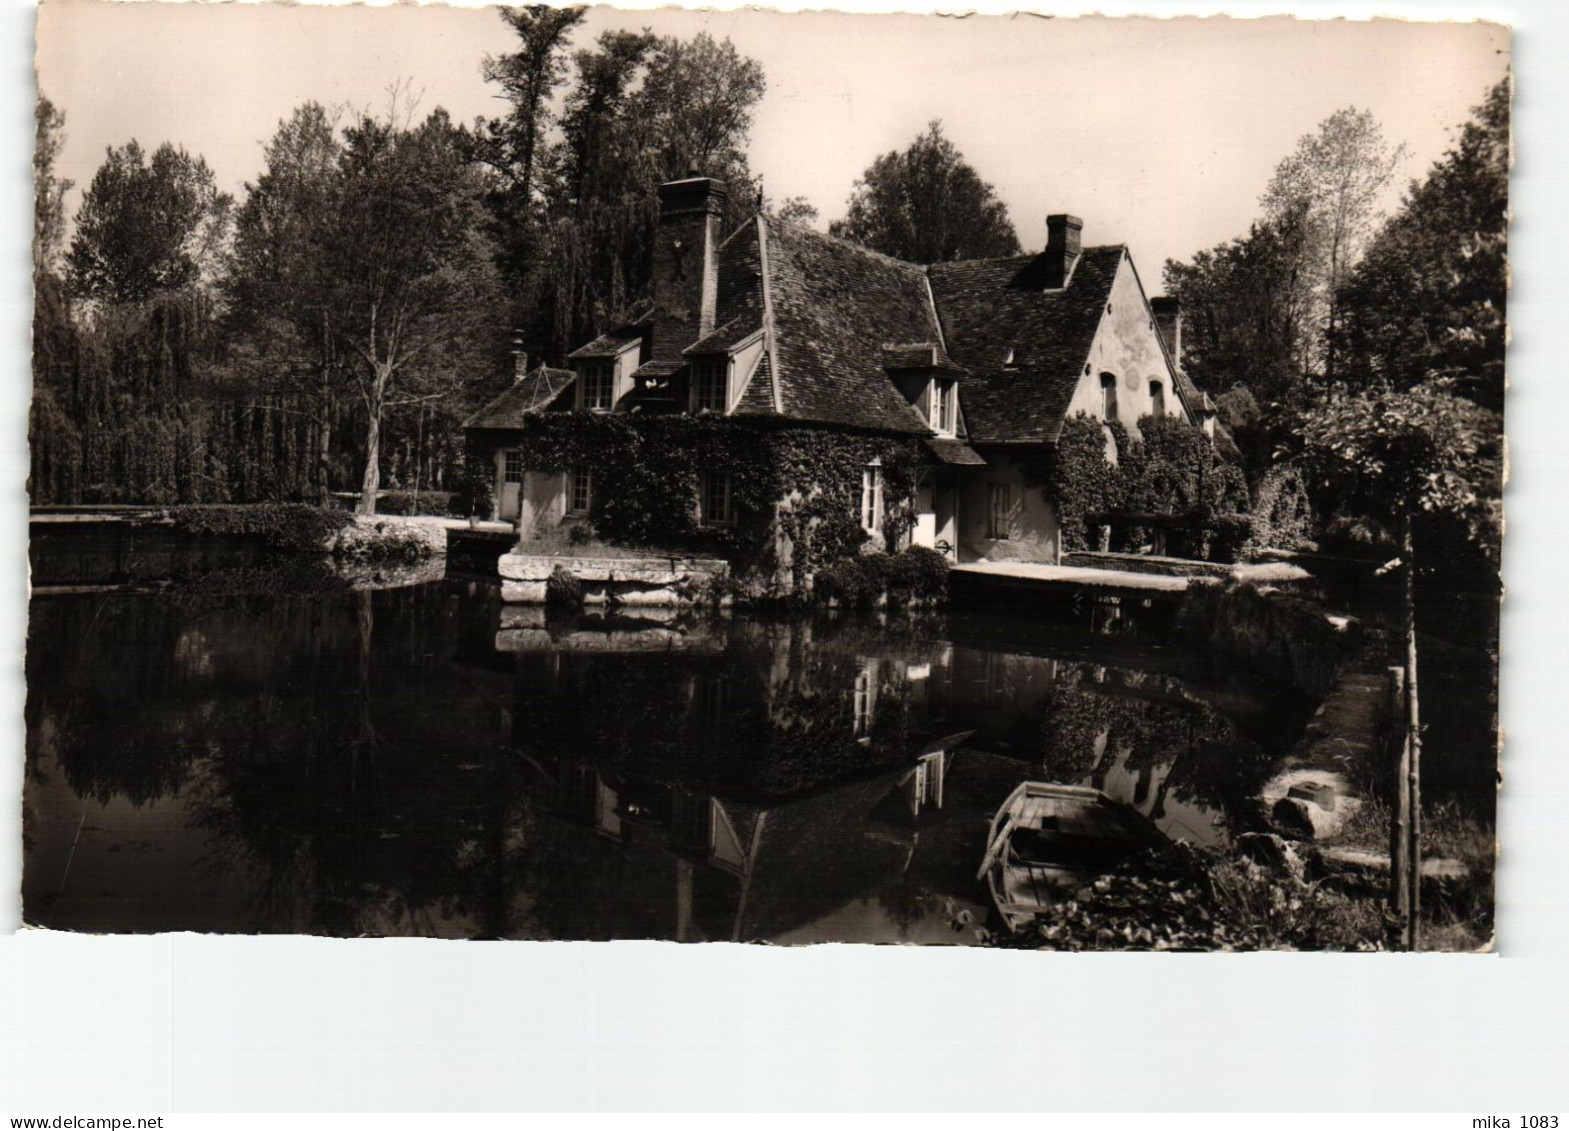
(1171, 469)
(796, 489)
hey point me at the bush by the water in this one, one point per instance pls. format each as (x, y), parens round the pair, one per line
(1284, 637)
(563, 590)
(915, 574)
(1184, 898)
(285, 526)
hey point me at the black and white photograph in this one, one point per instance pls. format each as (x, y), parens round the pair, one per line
(565, 473)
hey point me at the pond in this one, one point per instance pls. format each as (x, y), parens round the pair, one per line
(424, 760)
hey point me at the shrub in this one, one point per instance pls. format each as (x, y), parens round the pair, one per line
(563, 590)
(1227, 534)
(285, 526)
(916, 574)
(1282, 514)
(850, 582)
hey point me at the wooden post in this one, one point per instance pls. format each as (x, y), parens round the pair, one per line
(1401, 750)
(1413, 781)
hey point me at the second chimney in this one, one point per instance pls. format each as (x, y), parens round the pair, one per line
(1063, 239)
(1168, 320)
(686, 250)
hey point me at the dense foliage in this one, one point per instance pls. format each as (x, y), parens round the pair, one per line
(1389, 455)
(286, 527)
(914, 575)
(647, 474)
(1170, 469)
(925, 204)
(1429, 298)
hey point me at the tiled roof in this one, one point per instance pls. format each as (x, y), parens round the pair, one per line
(833, 306)
(993, 306)
(536, 392)
(955, 452)
(610, 343)
(918, 355)
(842, 319)
(725, 338)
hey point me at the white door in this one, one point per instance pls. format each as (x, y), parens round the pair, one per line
(509, 484)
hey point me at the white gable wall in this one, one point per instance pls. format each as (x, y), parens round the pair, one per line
(1127, 345)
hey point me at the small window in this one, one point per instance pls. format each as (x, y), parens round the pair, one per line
(997, 523)
(943, 403)
(599, 386)
(1108, 392)
(1157, 398)
(710, 385)
(872, 498)
(580, 491)
(716, 505)
(512, 465)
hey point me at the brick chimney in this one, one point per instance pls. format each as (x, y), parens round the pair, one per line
(1168, 320)
(1063, 244)
(686, 251)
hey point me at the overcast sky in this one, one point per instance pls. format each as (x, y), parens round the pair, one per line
(1158, 133)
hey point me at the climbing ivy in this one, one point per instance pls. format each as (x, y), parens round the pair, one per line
(1170, 469)
(796, 491)
(1282, 514)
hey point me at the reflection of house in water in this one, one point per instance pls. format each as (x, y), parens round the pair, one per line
(616, 858)
(745, 779)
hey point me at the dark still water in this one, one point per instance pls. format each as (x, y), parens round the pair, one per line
(426, 761)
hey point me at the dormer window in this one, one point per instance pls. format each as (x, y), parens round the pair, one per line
(599, 385)
(711, 385)
(944, 406)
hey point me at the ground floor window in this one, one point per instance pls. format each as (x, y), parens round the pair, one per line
(580, 491)
(716, 505)
(512, 465)
(872, 498)
(999, 512)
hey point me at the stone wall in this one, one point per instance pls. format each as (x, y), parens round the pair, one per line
(656, 581)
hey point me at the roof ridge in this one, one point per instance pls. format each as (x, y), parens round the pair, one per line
(841, 241)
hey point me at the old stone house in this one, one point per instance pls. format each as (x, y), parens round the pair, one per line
(976, 365)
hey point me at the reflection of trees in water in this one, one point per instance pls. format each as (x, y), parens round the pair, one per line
(1094, 721)
(95, 704)
(304, 740)
(775, 712)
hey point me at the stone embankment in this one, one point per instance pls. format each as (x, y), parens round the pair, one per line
(630, 581)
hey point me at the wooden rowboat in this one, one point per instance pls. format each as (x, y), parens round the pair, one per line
(1047, 840)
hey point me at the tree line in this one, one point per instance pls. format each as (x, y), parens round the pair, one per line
(329, 329)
